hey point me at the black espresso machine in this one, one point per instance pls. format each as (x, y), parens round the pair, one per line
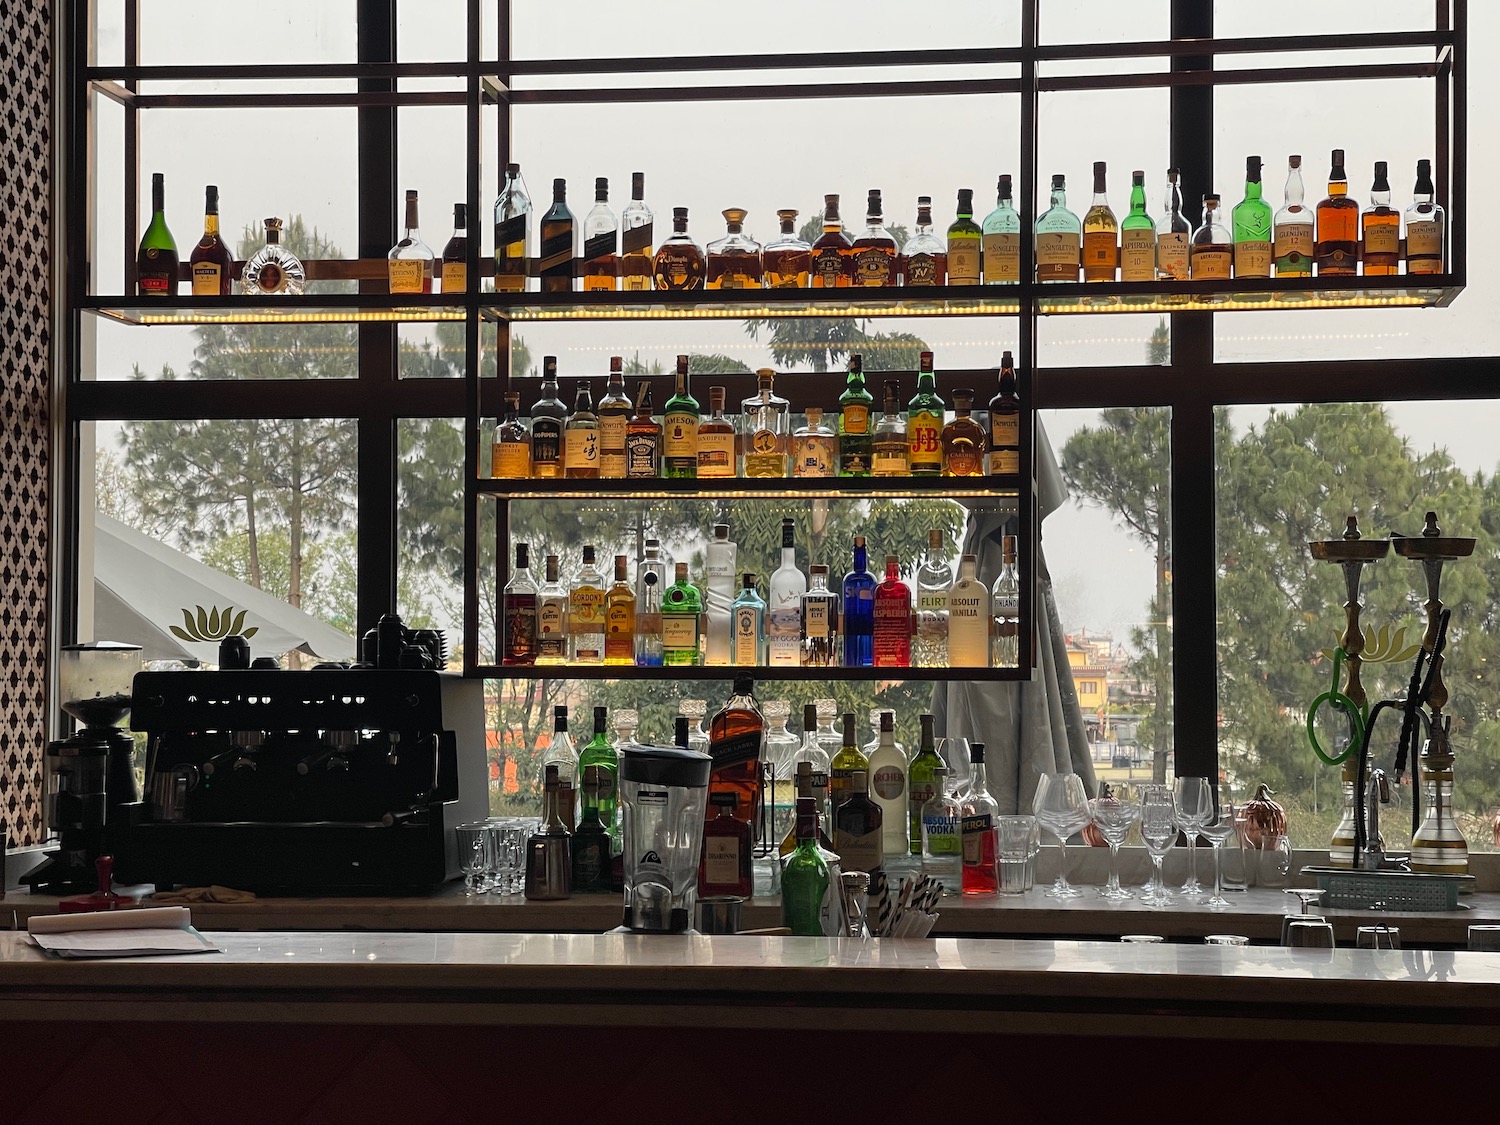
(329, 779)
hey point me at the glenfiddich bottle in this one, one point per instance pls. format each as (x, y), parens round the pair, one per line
(559, 243)
(156, 260)
(832, 253)
(1252, 226)
(679, 262)
(211, 263)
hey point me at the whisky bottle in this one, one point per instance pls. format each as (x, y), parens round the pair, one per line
(1251, 219)
(963, 440)
(875, 251)
(1336, 252)
(586, 613)
(510, 456)
(273, 268)
(858, 824)
(1137, 235)
(833, 252)
(409, 263)
(748, 625)
(788, 260)
(815, 447)
(968, 618)
(614, 421)
(889, 450)
(1005, 422)
(559, 243)
(1212, 251)
(859, 609)
(1058, 238)
(724, 868)
(601, 239)
(891, 634)
(1173, 235)
(1293, 228)
(455, 269)
(619, 616)
(681, 608)
(736, 738)
(716, 439)
(734, 261)
(512, 232)
(592, 869)
(764, 416)
(156, 260)
(854, 422)
(965, 243)
(887, 770)
(848, 760)
(636, 262)
(650, 584)
(923, 781)
(1002, 239)
(679, 262)
(1101, 234)
(561, 758)
(547, 419)
(924, 258)
(581, 437)
(1380, 229)
(934, 579)
(211, 263)
(820, 621)
(643, 439)
(1005, 605)
(784, 605)
(718, 596)
(518, 612)
(552, 617)
(680, 428)
(1426, 225)
(924, 423)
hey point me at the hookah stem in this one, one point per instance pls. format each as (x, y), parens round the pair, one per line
(1362, 764)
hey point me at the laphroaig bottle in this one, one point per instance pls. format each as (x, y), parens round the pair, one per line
(891, 636)
(820, 622)
(1293, 227)
(719, 591)
(922, 781)
(1137, 235)
(887, 770)
(749, 617)
(650, 584)
(859, 610)
(784, 607)
(1426, 225)
(942, 836)
(1002, 239)
(968, 618)
(619, 617)
(156, 259)
(586, 613)
(979, 811)
(518, 612)
(681, 608)
(552, 618)
(804, 879)
(924, 423)
(1005, 605)
(858, 824)
(933, 582)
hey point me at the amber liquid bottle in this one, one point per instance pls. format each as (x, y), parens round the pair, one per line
(832, 261)
(736, 735)
(212, 264)
(1336, 252)
(1380, 229)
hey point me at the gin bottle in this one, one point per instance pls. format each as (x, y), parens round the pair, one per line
(1426, 225)
(1251, 219)
(764, 417)
(599, 754)
(820, 623)
(933, 581)
(1005, 604)
(1058, 237)
(784, 611)
(1002, 239)
(681, 610)
(690, 715)
(719, 591)
(748, 616)
(968, 618)
(650, 584)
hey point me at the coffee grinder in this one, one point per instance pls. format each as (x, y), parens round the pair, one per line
(89, 774)
(663, 793)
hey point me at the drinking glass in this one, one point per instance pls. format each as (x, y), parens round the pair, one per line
(473, 855)
(1195, 805)
(1113, 816)
(1273, 862)
(1062, 806)
(1218, 828)
(1158, 833)
(1016, 852)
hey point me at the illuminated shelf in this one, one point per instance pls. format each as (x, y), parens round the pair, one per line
(854, 488)
(320, 308)
(728, 672)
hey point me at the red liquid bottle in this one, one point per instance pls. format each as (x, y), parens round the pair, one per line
(892, 619)
(977, 822)
(724, 867)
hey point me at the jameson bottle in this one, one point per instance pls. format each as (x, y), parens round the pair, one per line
(680, 428)
(211, 263)
(156, 260)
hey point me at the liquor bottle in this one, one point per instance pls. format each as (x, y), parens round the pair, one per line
(455, 275)
(979, 811)
(552, 617)
(681, 608)
(716, 439)
(586, 613)
(643, 439)
(859, 610)
(781, 745)
(805, 886)
(764, 415)
(561, 756)
(924, 423)
(809, 765)
(510, 454)
(855, 439)
(636, 261)
(619, 616)
(680, 428)
(924, 258)
(512, 232)
(1293, 228)
(1005, 422)
(734, 261)
(844, 765)
(592, 867)
(748, 614)
(409, 263)
(614, 421)
(887, 770)
(1174, 234)
(518, 611)
(650, 584)
(1380, 229)
(1101, 234)
(888, 451)
(921, 780)
(1336, 252)
(601, 242)
(833, 252)
(1002, 239)
(1137, 235)
(875, 252)
(156, 261)
(930, 649)
(581, 437)
(1005, 605)
(784, 608)
(963, 440)
(599, 754)
(548, 417)
(830, 726)
(211, 263)
(559, 243)
(556, 832)
(691, 733)
(679, 262)
(719, 591)
(941, 842)
(736, 742)
(273, 268)
(788, 260)
(1212, 252)
(820, 621)
(965, 243)
(891, 638)
(1058, 238)
(968, 618)
(858, 827)
(1426, 225)
(724, 868)
(814, 447)
(1251, 219)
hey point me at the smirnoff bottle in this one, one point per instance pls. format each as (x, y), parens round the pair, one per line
(784, 611)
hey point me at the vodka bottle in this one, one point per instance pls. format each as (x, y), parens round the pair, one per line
(650, 582)
(784, 611)
(720, 591)
(933, 581)
(1005, 604)
(968, 619)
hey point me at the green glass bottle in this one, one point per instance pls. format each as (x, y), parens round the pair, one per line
(156, 260)
(680, 428)
(599, 752)
(1137, 235)
(856, 442)
(593, 864)
(921, 781)
(804, 879)
(965, 243)
(1252, 227)
(842, 769)
(924, 424)
(681, 610)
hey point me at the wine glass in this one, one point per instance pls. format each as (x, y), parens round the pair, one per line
(1195, 805)
(1158, 833)
(1218, 828)
(1061, 806)
(1113, 816)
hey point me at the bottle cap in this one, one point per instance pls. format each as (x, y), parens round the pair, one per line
(934, 538)
(891, 560)
(679, 214)
(601, 717)
(601, 183)
(723, 800)
(861, 781)
(976, 752)
(887, 721)
(512, 169)
(809, 722)
(721, 531)
(680, 570)
(747, 581)
(523, 555)
(744, 683)
(817, 569)
(1294, 161)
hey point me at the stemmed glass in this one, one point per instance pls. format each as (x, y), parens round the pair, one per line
(1158, 833)
(1219, 828)
(1113, 816)
(1061, 806)
(1195, 806)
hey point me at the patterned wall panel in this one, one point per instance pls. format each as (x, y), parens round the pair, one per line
(25, 364)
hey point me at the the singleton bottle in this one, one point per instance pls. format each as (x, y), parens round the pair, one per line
(1101, 234)
(858, 824)
(1380, 229)
(586, 612)
(548, 417)
(833, 252)
(1174, 234)
(887, 769)
(409, 263)
(1002, 239)
(581, 437)
(924, 423)
(968, 618)
(933, 580)
(636, 221)
(1426, 224)
(890, 643)
(941, 842)
(784, 607)
(1005, 605)
(788, 260)
(748, 616)
(924, 258)
(1336, 252)
(643, 439)
(614, 420)
(875, 251)
(719, 591)
(680, 428)
(716, 439)
(599, 754)
(963, 439)
(552, 617)
(679, 262)
(889, 450)
(855, 437)
(1058, 238)
(1293, 228)
(1005, 422)
(736, 739)
(965, 242)
(455, 269)
(979, 811)
(510, 453)
(724, 868)
(559, 243)
(650, 585)
(1212, 254)
(156, 260)
(512, 232)
(1251, 219)
(845, 763)
(820, 622)
(1137, 235)
(518, 612)
(211, 263)
(815, 447)
(922, 781)
(859, 610)
(804, 878)
(619, 616)
(592, 866)
(680, 610)
(601, 240)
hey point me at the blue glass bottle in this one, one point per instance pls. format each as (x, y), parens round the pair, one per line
(859, 610)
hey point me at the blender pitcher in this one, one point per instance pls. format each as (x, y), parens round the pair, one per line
(663, 795)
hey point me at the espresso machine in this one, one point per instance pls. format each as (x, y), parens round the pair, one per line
(663, 794)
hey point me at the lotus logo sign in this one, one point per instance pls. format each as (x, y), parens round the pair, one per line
(212, 625)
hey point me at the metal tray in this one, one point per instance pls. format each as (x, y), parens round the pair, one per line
(1389, 890)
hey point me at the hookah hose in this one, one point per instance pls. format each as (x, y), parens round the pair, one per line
(1341, 702)
(1415, 698)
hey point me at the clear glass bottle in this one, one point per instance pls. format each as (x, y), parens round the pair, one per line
(512, 232)
(1251, 219)
(1058, 238)
(1380, 229)
(552, 617)
(681, 615)
(820, 621)
(814, 447)
(734, 261)
(933, 582)
(455, 268)
(830, 729)
(887, 770)
(891, 635)
(601, 242)
(833, 252)
(510, 453)
(586, 613)
(888, 455)
(409, 263)
(1101, 233)
(636, 220)
(1336, 251)
(680, 417)
(788, 260)
(1174, 234)
(748, 616)
(875, 251)
(855, 437)
(1293, 227)
(562, 756)
(965, 242)
(1212, 252)
(924, 423)
(273, 268)
(619, 616)
(1137, 235)
(716, 439)
(719, 592)
(614, 420)
(1426, 225)
(518, 612)
(784, 605)
(812, 760)
(1002, 239)
(922, 783)
(559, 243)
(764, 417)
(978, 811)
(941, 818)
(1005, 422)
(924, 258)
(695, 711)
(650, 584)
(781, 749)
(1005, 605)
(548, 417)
(581, 437)
(968, 618)
(963, 439)
(859, 610)
(679, 262)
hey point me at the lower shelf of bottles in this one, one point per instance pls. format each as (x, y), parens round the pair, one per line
(729, 671)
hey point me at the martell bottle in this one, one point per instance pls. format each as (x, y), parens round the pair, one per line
(518, 612)
(1336, 253)
(211, 262)
(1005, 422)
(559, 243)
(156, 260)
(832, 253)
(891, 641)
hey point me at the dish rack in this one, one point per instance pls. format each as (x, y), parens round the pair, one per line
(1389, 890)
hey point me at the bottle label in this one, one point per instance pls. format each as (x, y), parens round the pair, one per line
(966, 460)
(582, 449)
(1294, 248)
(977, 831)
(721, 862)
(637, 240)
(680, 435)
(963, 262)
(859, 849)
(924, 431)
(855, 419)
(889, 783)
(1002, 258)
(888, 461)
(600, 245)
(555, 255)
(746, 636)
(520, 627)
(1252, 259)
(941, 836)
(921, 269)
(1138, 254)
(679, 631)
(510, 233)
(407, 275)
(455, 277)
(739, 748)
(784, 636)
(764, 456)
(550, 621)
(1057, 257)
(1172, 255)
(932, 601)
(640, 456)
(206, 279)
(1424, 246)
(892, 646)
(816, 618)
(619, 630)
(1383, 238)
(511, 460)
(612, 429)
(872, 266)
(585, 610)
(828, 269)
(1101, 252)
(1005, 443)
(715, 453)
(546, 442)
(815, 457)
(1211, 263)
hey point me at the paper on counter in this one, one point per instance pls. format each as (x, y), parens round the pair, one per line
(119, 933)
